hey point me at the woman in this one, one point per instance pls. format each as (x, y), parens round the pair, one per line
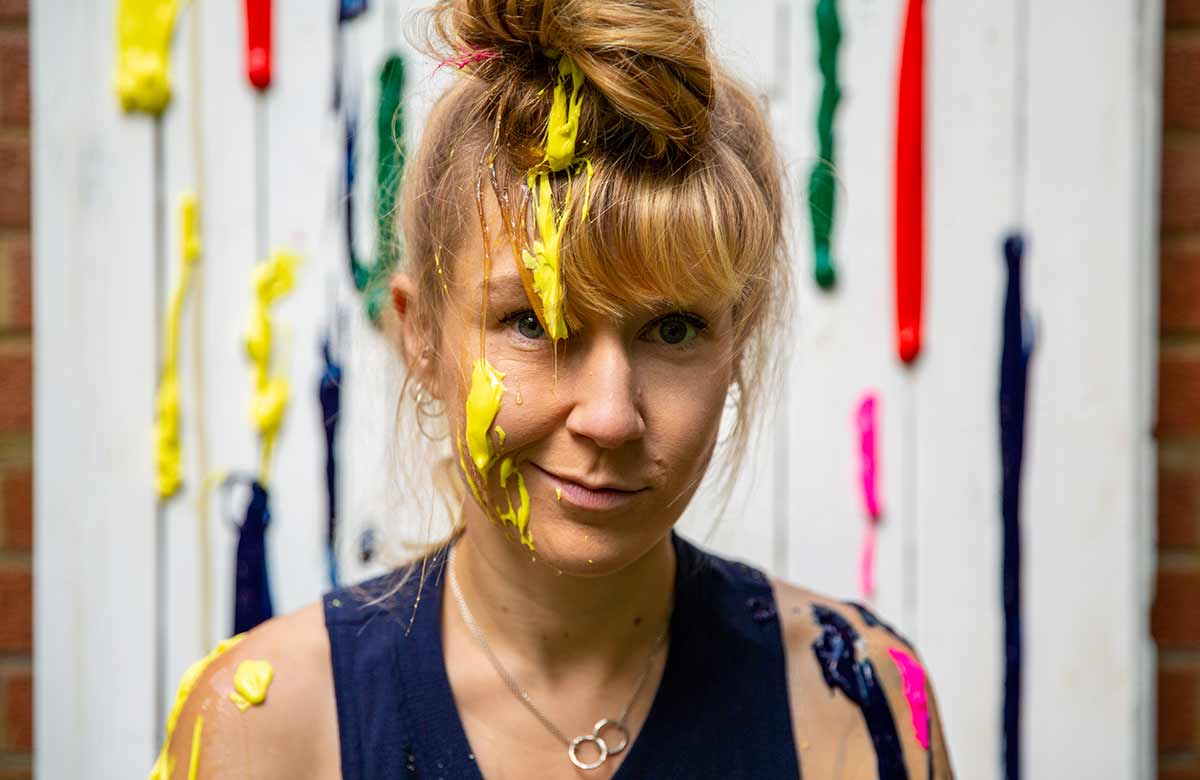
(595, 263)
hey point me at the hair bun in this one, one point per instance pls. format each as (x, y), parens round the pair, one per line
(645, 60)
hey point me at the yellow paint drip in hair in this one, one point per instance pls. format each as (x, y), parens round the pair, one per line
(544, 260)
(168, 458)
(143, 79)
(563, 127)
(272, 280)
(250, 683)
(162, 768)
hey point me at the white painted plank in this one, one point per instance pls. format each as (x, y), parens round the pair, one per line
(94, 383)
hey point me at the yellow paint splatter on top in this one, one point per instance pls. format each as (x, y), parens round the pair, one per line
(162, 769)
(250, 683)
(563, 127)
(143, 79)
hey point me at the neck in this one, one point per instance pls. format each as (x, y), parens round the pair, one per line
(557, 623)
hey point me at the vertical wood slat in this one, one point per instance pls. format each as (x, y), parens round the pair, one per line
(94, 381)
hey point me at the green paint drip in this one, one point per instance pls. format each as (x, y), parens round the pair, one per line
(373, 280)
(821, 184)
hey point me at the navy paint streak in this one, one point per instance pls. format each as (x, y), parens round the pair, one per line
(874, 621)
(252, 599)
(1014, 366)
(837, 655)
(330, 393)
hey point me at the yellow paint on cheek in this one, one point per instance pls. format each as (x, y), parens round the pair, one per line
(194, 761)
(500, 436)
(250, 683)
(483, 403)
(161, 769)
(558, 494)
(516, 516)
(563, 127)
(143, 79)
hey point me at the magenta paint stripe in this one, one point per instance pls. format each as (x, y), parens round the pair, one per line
(913, 676)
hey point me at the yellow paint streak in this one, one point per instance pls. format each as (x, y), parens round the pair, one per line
(271, 281)
(168, 457)
(516, 516)
(250, 683)
(558, 494)
(483, 403)
(194, 761)
(143, 78)
(562, 129)
(161, 769)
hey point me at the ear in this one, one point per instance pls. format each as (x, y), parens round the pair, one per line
(414, 342)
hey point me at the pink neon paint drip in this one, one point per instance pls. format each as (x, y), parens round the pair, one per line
(913, 676)
(865, 419)
(466, 58)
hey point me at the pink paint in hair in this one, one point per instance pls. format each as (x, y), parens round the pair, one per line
(466, 58)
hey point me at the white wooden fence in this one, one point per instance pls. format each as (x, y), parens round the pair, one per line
(106, 190)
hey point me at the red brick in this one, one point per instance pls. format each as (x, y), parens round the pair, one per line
(1178, 506)
(1181, 183)
(1178, 692)
(1181, 82)
(14, 77)
(1178, 394)
(14, 10)
(18, 710)
(1180, 13)
(14, 182)
(16, 391)
(20, 284)
(16, 495)
(1174, 619)
(16, 607)
(1180, 287)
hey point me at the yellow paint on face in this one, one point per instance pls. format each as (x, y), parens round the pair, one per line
(544, 260)
(194, 760)
(500, 436)
(516, 516)
(250, 683)
(161, 770)
(563, 127)
(143, 79)
(558, 494)
(483, 403)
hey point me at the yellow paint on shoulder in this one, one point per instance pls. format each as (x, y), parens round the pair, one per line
(143, 78)
(250, 683)
(194, 760)
(161, 769)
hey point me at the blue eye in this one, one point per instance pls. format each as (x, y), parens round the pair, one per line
(676, 328)
(526, 323)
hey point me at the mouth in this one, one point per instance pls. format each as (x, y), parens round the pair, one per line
(592, 496)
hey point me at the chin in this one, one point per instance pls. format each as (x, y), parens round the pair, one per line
(592, 544)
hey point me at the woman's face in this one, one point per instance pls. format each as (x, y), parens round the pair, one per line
(612, 437)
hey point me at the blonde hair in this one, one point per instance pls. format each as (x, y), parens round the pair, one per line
(687, 197)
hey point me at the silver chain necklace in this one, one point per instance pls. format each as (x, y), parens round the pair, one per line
(596, 736)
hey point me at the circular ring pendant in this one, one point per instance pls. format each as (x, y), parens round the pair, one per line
(605, 723)
(572, 751)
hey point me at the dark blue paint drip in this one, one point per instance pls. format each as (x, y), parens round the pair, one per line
(838, 658)
(330, 393)
(252, 590)
(349, 9)
(874, 621)
(1014, 376)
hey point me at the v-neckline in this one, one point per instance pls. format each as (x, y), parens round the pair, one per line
(438, 699)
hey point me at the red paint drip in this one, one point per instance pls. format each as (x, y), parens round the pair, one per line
(910, 183)
(258, 43)
(912, 674)
(467, 58)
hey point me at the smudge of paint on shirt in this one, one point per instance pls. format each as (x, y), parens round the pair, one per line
(483, 403)
(563, 127)
(194, 759)
(913, 676)
(841, 655)
(250, 683)
(161, 769)
(143, 79)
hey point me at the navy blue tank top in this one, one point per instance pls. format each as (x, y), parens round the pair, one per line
(721, 710)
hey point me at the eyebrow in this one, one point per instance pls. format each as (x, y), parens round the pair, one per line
(505, 284)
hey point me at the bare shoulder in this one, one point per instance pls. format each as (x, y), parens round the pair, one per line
(861, 699)
(291, 733)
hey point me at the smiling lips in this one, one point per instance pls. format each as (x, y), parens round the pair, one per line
(596, 497)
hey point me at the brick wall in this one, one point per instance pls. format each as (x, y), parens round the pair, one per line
(1176, 618)
(16, 399)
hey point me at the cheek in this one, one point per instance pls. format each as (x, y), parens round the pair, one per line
(682, 409)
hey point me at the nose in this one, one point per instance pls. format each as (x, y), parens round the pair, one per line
(607, 407)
